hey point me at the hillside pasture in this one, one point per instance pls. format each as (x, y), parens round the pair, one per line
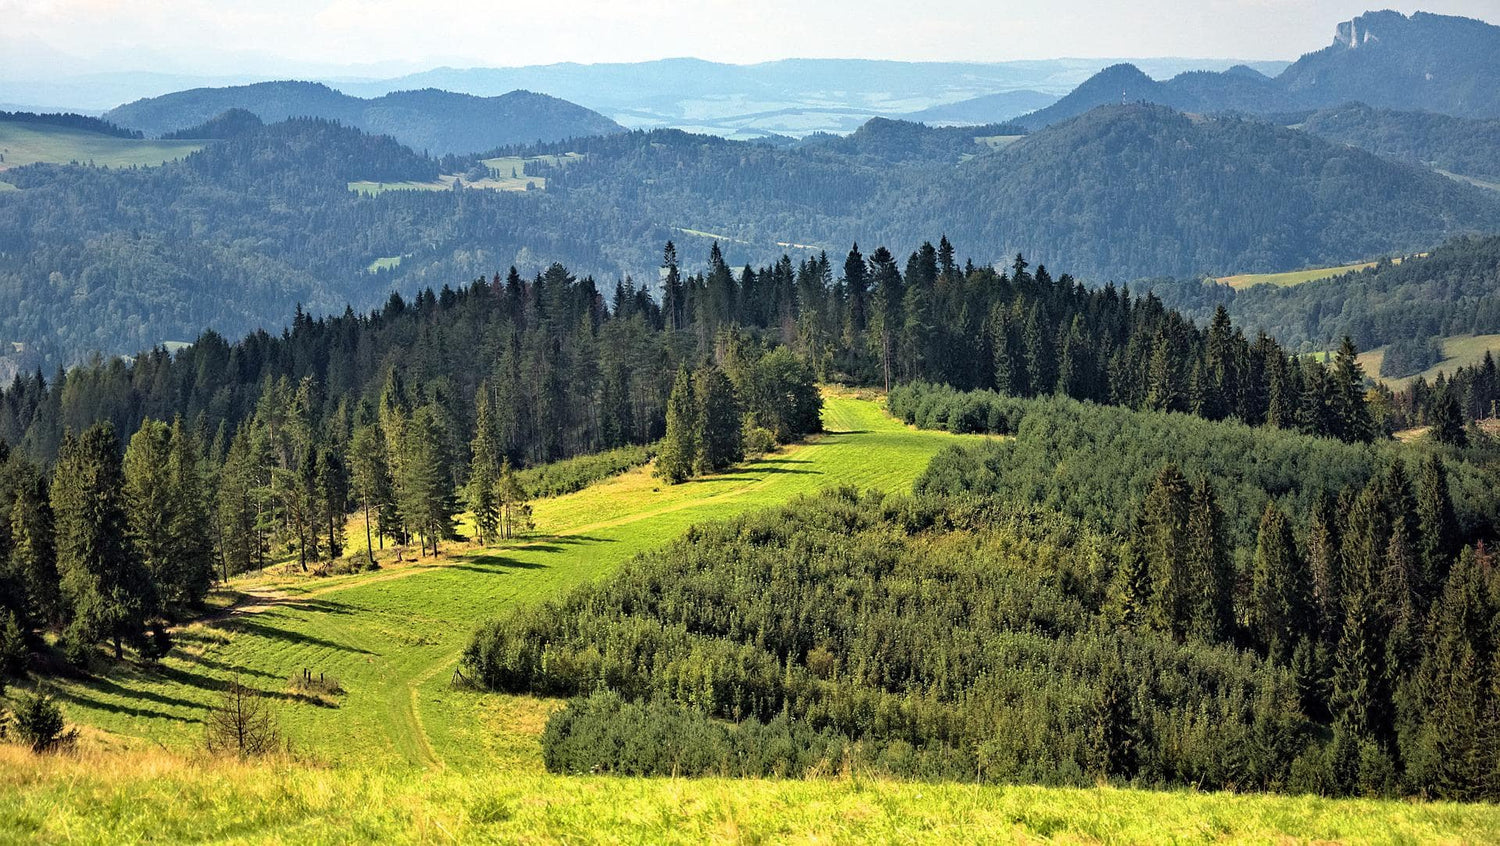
(1458, 351)
(392, 637)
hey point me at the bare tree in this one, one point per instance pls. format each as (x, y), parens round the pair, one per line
(241, 724)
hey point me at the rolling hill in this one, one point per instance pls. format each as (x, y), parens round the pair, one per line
(438, 122)
(1437, 63)
(990, 108)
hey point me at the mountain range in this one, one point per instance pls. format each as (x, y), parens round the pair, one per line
(439, 122)
(1437, 63)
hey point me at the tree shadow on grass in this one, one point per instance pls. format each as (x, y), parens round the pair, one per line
(74, 698)
(321, 606)
(255, 627)
(497, 564)
(102, 684)
(231, 669)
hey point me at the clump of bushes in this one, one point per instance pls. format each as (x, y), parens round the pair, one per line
(575, 474)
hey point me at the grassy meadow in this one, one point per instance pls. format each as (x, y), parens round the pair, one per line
(403, 755)
(24, 144)
(1290, 278)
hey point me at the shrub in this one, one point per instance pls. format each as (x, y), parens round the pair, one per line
(38, 723)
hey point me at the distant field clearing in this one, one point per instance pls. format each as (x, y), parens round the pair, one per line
(1293, 277)
(24, 144)
(1458, 351)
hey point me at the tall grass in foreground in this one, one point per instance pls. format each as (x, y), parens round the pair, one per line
(156, 796)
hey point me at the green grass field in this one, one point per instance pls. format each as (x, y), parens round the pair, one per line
(155, 797)
(24, 144)
(405, 756)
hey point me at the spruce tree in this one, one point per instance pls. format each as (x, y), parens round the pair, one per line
(1325, 564)
(678, 454)
(1164, 534)
(149, 505)
(1210, 569)
(1439, 528)
(33, 560)
(718, 433)
(483, 471)
(1281, 614)
(190, 524)
(107, 594)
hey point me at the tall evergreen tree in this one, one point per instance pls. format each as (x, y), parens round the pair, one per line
(678, 455)
(484, 471)
(371, 477)
(1439, 527)
(1280, 612)
(1210, 569)
(718, 432)
(1164, 532)
(106, 591)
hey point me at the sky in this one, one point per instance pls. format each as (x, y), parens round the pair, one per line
(374, 37)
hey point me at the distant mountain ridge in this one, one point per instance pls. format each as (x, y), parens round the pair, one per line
(1436, 63)
(439, 122)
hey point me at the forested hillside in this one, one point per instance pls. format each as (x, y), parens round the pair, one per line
(1452, 291)
(1137, 619)
(438, 122)
(120, 260)
(1462, 146)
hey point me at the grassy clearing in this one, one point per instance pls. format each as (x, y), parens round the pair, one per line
(393, 637)
(384, 263)
(1295, 277)
(157, 796)
(24, 144)
(505, 165)
(1458, 351)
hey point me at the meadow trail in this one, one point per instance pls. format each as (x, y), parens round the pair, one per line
(392, 637)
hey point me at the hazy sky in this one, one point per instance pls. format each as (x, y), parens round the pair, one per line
(269, 36)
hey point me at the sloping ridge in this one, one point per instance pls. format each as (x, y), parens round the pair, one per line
(439, 122)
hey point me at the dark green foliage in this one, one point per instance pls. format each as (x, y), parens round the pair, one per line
(716, 430)
(1281, 597)
(1408, 356)
(69, 120)
(1458, 145)
(14, 651)
(1091, 462)
(107, 593)
(607, 734)
(942, 640)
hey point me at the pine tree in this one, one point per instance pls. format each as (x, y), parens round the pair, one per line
(483, 471)
(107, 593)
(1113, 735)
(33, 559)
(1448, 420)
(424, 492)
(1350, 411)
(333, 498)
(1454, 749)
(678, 454)
(1280, 611)
(148, 507)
